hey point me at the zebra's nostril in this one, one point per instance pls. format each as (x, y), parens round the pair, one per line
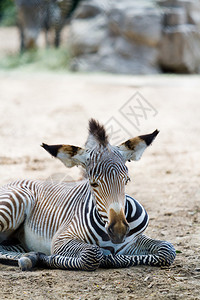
(110, 230)
(127, 230)
(127, 227)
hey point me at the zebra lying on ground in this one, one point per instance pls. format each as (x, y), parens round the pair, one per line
(82, 225)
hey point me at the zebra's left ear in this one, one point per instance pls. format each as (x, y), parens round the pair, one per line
(133, 148)
(69, 155)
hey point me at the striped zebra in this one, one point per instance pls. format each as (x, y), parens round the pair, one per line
(35, 15)
(81, 225)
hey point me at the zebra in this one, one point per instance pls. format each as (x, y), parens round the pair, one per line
(81, 225)
(35, 15)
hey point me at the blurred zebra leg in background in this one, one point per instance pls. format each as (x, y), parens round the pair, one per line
(33, 16)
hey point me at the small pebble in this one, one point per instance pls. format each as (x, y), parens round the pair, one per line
(197, 269)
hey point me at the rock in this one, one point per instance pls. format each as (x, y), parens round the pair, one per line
(87, 10)
(114, 58)
(116, 34)
(193, 11)
(90, 9)
(143, 54)
(179, 50)
(136, 37)
(191, 8)
(141, 24)
(87, 36)
(174, 16)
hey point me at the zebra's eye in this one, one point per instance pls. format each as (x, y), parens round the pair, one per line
(94, 184)
(127, 180)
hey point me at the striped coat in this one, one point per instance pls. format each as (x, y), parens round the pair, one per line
(80, 225)
(36, 15)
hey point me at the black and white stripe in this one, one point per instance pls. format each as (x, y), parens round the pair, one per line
(47, 207)
(81, 225)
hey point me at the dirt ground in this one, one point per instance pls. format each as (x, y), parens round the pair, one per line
(55, 108)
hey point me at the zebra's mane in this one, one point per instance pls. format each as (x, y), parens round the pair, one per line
(97, 133)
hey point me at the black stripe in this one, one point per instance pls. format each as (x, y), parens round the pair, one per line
(95, 223)
(129, 210)
(140, 227)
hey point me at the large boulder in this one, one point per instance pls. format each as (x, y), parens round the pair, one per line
(179, 50)
(136, 37)
(190, 7)
(87, 36)
(180, 41)
(140, 25)
(174, 16)
(115, 37)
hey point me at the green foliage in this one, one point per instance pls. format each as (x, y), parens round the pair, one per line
(7, 13)
(41, 59)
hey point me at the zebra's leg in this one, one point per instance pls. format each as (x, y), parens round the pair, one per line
(46, 32)
(27, 261)
(74, 255)
(10, 253)
(15, 255)
(22, 44)
(58, 29)
(57, 37)
(46, 25)
(144, 251)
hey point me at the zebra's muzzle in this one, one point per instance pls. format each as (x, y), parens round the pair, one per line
(117, 227)
(117, 235)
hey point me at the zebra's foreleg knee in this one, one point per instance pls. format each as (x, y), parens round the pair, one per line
(147, 251)
(91, 258)
(116, 261)
(76, 256)
(28, 261)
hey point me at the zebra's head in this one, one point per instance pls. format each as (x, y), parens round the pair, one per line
(106, 171)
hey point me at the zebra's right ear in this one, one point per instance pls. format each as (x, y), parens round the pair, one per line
(69, 155)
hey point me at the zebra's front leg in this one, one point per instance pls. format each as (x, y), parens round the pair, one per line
(152, 252)
(144, 251)
(74, 255)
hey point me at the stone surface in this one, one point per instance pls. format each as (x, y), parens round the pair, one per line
(140, 24)
(179, 51)
(174, 16)
(87, 10)
(191, 8)
(87, 36)
(180, 42)
(136, 37)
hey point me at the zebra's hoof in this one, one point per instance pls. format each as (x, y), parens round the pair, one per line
(28, 261)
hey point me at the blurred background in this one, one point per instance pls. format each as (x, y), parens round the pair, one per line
(128, 37)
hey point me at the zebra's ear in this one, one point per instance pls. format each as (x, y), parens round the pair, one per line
(69, 155)
(133, 148)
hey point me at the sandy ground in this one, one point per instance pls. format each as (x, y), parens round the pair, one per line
(10, 39)
(55, 108)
